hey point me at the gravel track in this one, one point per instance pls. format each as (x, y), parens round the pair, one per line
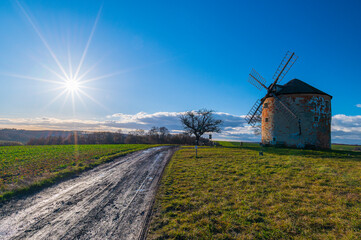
(111, 201)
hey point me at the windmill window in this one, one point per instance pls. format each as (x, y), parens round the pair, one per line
(265, 105)
(327, 104)
(266, 120)
(315, 119)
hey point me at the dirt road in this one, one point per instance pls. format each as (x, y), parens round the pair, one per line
(107, 202)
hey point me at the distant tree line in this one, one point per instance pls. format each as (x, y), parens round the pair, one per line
(10, 143)
(156, 135)
(23, 136)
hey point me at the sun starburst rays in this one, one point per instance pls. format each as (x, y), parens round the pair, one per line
(71, 79)
(88, 44)
(27, 16)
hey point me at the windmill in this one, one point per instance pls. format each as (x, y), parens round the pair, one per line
(254, 117)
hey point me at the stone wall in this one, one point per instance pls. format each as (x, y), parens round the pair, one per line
(311, 130)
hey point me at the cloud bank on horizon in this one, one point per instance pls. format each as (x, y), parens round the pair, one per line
(345, 129)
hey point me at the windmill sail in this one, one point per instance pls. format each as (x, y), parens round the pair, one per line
(254, 117)
(287, 111)
(257, 80)
(285, 65)
(255, 114)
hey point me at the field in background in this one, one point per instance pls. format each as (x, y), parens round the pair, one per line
(345, 147)
(233, 193)
(25, 167)
(237, 144)
(341, 147)
(10, 143)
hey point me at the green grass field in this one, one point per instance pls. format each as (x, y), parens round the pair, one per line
(237, 144)
(233, 193)
(23, 168)
(346, 147)
(256, 145)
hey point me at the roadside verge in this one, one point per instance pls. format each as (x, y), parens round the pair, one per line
(28, 169)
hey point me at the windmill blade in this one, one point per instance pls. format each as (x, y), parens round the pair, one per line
(257, 80)
(255, 114)
(287, 111)
(285, 65)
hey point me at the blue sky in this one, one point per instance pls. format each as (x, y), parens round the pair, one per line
(168, 56)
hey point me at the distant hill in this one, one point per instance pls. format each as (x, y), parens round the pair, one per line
(24, 136)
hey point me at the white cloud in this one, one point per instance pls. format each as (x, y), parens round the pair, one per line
(345, 129)
(235, 127)
(358, 105)
(46, 123)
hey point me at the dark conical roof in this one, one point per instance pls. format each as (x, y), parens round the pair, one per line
(298, 86)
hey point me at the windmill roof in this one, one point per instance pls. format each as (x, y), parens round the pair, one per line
(298, 86)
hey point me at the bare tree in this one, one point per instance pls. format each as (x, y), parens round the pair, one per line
(163, 131)
(200, 122)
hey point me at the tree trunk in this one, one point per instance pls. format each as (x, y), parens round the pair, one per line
(197, 139)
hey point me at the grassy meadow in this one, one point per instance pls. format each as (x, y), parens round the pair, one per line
(23, 168)
(342, 147)
(233, 193)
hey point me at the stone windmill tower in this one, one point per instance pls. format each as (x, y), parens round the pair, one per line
(294, 114)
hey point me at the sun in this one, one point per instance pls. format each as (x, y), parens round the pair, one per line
(72, 85)
(71, 81)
